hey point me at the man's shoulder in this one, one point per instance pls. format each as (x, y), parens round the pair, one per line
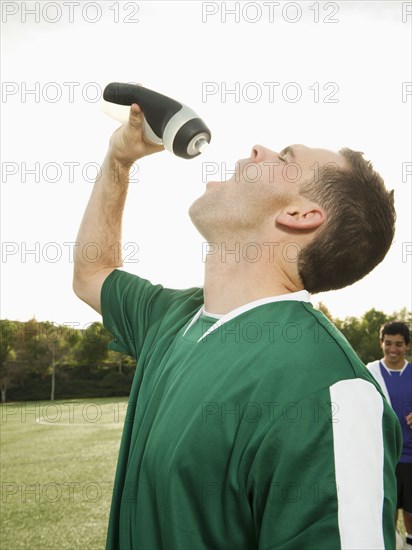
(122, 285)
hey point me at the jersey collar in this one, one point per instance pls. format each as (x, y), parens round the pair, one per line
(300, 296)
(390, 371)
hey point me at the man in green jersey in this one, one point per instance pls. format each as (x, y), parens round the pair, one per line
(251, 422)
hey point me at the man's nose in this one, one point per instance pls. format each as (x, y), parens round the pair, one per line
(260, 153)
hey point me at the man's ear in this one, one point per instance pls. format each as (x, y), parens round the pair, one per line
(296, 217)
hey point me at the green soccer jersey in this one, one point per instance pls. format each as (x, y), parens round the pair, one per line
(261, 430)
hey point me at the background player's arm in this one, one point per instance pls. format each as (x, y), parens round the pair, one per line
(102, 220)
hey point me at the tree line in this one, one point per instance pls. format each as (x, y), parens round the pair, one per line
(43, 360)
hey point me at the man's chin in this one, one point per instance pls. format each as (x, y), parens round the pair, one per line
(233, 179)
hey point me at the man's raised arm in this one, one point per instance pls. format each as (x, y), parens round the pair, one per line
(102, 220)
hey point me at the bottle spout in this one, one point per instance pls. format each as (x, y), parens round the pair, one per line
(201, 144)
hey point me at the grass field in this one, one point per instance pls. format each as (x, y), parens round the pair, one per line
(57, 469)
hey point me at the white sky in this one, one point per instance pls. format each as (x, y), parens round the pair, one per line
(168, 47)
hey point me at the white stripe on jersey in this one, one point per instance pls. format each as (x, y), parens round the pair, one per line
(358, 450)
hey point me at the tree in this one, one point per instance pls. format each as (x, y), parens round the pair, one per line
(321, 307)
(93, 344)
(60, 341)
(32, 347)
(46, 345)
(8, 337)
(120, 360)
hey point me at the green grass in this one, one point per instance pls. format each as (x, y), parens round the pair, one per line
(57, 470)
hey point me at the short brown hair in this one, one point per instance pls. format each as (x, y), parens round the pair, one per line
(395, 327)
(359, 229)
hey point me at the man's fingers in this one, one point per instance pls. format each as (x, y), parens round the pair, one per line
(135, 108)
(128, 143)
(136, 121)
(136, 115)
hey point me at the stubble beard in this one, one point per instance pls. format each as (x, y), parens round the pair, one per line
(222, 218)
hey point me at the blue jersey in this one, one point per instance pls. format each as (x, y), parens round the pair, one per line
(397, 385)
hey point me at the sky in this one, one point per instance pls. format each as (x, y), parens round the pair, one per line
(325, 74)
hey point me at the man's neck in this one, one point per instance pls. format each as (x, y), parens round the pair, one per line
(233, 280)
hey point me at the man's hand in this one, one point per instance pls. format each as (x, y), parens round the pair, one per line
(128, 142)
(408, 418)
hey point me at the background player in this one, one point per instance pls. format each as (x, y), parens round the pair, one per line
(394, 374)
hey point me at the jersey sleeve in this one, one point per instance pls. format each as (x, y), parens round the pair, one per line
(324, 477)
(132, 306)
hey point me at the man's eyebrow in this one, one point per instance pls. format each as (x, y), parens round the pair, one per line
(289, 150)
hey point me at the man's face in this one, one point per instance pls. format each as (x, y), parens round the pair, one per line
(394, 349)
(290, 167)
(261, 185)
